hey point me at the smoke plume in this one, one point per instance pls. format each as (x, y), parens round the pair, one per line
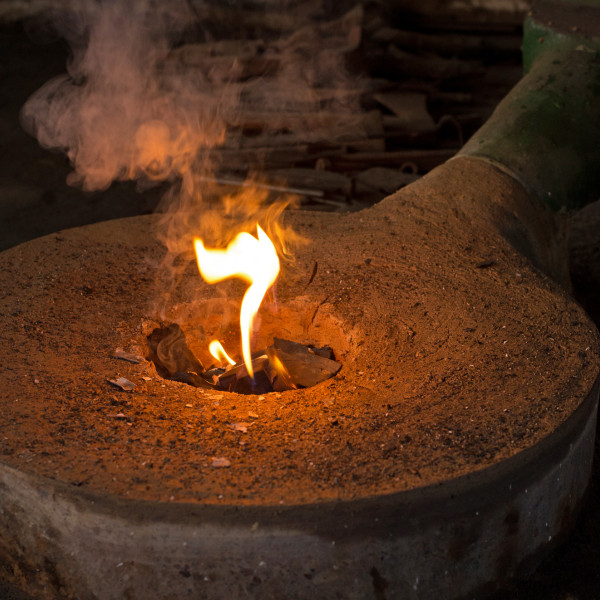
(137, 103)
(123, 111)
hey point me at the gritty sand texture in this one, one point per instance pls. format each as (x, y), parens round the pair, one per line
(456, 352)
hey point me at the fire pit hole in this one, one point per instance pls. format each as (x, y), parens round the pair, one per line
(282, 366)
(304, 334)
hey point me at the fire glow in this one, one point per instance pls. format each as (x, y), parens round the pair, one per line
(252, 259)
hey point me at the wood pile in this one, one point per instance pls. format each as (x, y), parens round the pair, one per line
(342, 110)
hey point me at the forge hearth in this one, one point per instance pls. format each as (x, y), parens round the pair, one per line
(457, 433)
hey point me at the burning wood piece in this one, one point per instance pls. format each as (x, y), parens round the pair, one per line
(236, 378)
(285, 365)
(304, 365)
(172, 357)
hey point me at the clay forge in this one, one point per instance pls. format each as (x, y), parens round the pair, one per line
(453, 446)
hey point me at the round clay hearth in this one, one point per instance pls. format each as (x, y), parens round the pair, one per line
(456, 438)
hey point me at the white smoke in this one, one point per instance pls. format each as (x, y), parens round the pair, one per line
(132, 106)
(123, 110)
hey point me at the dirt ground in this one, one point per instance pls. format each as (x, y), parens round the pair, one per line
(34, 200)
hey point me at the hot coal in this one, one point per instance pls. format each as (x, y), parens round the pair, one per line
(284, 365)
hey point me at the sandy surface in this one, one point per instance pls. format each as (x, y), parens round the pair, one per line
(457, 354)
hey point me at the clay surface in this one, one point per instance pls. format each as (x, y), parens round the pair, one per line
(457, 354)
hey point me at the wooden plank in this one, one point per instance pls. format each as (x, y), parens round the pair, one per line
(410, 109)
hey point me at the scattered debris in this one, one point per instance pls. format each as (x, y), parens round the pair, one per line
(252, 415)
(220, 462)
(118, 416)
(485, 264)
(128, 356)
(241, 427)
(123, 383)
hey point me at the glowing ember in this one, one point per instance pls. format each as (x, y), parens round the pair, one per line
(217, 350)
(253, 259)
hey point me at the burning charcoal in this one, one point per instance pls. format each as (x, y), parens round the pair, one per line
(213, 374)
(236, 379)
(304, 367)
(280, 378)
(172, 357)
(122, 383)
(261, 384)
(286, 366)
(234, 372)
(128, 356)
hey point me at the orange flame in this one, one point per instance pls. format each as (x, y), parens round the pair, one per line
(253, 259)
(217, 350)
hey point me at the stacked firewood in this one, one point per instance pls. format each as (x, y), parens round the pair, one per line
(344, 110)
(342, 103)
